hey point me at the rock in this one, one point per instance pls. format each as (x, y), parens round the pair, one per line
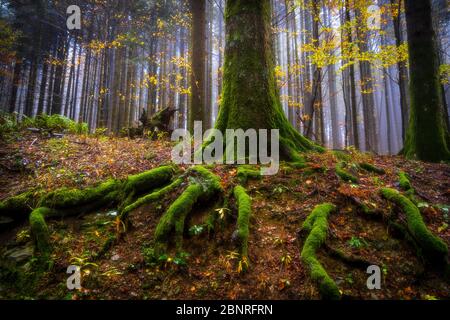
(115, 257)
(5, 223)
(19, 255)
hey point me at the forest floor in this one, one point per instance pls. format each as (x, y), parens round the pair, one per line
(280, 204)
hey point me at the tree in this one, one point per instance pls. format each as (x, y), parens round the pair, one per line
(426, 135)
(198, 51)
(250, 98)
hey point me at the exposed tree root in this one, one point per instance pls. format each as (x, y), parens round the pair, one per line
(317, 226)
(245, 173)
(344, 174)
(203, 186)
(67, 202)
(371, 168)
(351, 260)
(432, 246)
(245, 208)
(404, 182)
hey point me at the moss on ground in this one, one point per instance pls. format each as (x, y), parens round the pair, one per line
(432, 246)
(317, 225)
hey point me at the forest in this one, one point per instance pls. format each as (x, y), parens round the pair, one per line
(96, 202)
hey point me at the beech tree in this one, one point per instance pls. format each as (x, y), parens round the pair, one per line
(426, 135)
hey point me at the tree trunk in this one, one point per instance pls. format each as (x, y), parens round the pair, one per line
(250, 97)
(198, 36)
(426, 134)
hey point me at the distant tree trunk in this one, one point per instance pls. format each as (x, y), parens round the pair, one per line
(352, 107)
(317, 103)
(332, 92)
(367, 90)
(307, 75)
(17, 79)
(426, 135)
(198, 36)
(58, 87)
(402, 68)
(289, 63)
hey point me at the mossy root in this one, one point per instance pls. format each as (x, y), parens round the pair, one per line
(245, 173)
(203, 186)
(371, 168)
(18, 207)
(404, 182)
(244, 203)
(432, 246)
(317, 226)
(39, 230)
(152, 197)
(344, 174)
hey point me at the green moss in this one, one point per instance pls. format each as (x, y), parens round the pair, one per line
(344, 174)
(202, 187)
(149, 180)
(342, 155)
(39, 229)
(18, 207)
(371, 168)
(75, 199)
(250, 98)
(317, 225)
(174, 218)
(404, 182)
(432, 246)
(245, 173)
(210, 182)
(245, 208)
(150, 198)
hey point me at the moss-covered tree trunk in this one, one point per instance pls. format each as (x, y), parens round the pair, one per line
(250, 98)
(425, 138)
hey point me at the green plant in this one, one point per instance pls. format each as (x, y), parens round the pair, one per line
(357, 243)
(196, 230)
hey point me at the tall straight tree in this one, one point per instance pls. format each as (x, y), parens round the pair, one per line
(198, 52)
(426, 135)
(250, 98)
